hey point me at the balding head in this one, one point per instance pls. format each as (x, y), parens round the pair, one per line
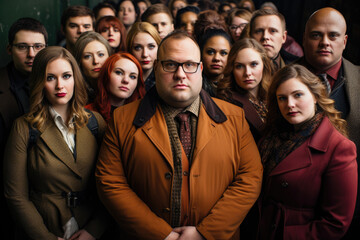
(325, 38)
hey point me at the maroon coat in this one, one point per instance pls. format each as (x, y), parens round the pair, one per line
(311, 193)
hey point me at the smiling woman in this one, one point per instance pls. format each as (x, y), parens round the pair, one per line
(91, 51)
(47, 167)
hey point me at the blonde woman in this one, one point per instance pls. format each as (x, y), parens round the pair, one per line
(142, 42)
(51, 154)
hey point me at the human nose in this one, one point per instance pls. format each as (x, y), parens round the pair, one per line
(111, 32)
(145, 52)
(290, 102)
(95, 60)
(81, 29)
(266, 35)
(325, 40)
(179, 73)
(31, 52)
(125, 79)
(216, 57)
(248, 71)
(59, 84)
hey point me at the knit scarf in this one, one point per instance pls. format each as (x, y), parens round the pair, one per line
(284, 139)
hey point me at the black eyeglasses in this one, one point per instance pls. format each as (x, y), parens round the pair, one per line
(188, 67)
(23, 47)
(235, 27)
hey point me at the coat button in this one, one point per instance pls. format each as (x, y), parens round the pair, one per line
(142, 119)
(186, 173)
(168, 175)
(284, 184)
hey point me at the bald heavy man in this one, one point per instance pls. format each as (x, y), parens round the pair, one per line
(324, 42)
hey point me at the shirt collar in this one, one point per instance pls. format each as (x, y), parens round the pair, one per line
(193, 108)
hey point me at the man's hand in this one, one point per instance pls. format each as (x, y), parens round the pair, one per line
(82, 235)
(172, 236)
(188, 233)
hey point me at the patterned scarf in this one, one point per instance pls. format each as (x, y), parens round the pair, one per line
(284, 139)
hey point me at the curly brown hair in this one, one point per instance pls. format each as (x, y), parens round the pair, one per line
(315, 86)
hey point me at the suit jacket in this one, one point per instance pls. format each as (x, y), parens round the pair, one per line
(311, 194)
(135, 170)
(36, 177)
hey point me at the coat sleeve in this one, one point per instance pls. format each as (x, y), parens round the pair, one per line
(120, 200)
(230, 210)
(337, 197)
(16, 184)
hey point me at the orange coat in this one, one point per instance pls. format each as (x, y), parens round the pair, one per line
(134, 171)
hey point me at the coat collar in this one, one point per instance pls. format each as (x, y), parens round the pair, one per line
(319, 141)
(147, 108)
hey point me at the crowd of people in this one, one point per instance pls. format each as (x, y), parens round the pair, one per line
(179, 119)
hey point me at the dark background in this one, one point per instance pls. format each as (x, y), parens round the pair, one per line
(296, 13)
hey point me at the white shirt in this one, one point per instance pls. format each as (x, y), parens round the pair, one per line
(69, 136)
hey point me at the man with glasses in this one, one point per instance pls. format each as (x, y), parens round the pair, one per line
(179, 163)
(26, 37)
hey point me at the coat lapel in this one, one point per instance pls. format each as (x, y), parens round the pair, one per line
(156, 130)
(302, 156)
(53, 138)
(205, 131)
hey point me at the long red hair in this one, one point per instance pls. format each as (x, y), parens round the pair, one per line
(102, 102)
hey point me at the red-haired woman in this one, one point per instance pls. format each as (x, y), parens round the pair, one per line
(120, 82)
(113, 31)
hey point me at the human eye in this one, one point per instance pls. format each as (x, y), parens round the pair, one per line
(101, 54)
(133, 77)
(151, 46)
(119, 72)
(238, 66)
(137, 47)
(87, 26)
(258, 31)
(116, 30)
(22, 47)
(298, 95)
(39, 46)
(254, 64)
(73, 25)
(233, 27)
(333, 35)
(315, 35)
(210, 51)
(67, 76)
(223, 53)
(190, 64)
(50, 78)
(163, 24)
(281, 98)
(87, 56)
(273, 30)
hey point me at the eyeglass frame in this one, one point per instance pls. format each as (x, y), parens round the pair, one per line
(179, 64)
(29, 46)
(235, 27)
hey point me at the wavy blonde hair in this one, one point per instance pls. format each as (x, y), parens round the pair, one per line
(39, 104)
(315, 86)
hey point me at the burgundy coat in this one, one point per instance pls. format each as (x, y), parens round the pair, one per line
(311, 193)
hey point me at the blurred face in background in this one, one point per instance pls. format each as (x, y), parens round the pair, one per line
(187, 22)
(127, 14)
(93, 57)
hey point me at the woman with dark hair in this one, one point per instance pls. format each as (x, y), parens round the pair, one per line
(247, 4)
(120, 82)
(128, 12)
(186, 19)
(113, 31)
(246, 80)
(215, 46)
(142, 42)
(91, 51)
(51, 153)
(310, 170)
